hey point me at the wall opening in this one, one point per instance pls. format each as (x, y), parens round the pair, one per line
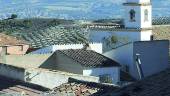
(132, 15)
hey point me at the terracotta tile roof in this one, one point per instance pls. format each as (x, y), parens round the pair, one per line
(10, 40)
(82, 88)
(89, 58)
(156, 85)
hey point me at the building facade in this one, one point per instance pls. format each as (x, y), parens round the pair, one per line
(137, 24)
(153, 57)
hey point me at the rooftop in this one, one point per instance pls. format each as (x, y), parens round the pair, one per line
(6, 40)
(156, 85)
(89, 58)
(10, 86)
(82, 88)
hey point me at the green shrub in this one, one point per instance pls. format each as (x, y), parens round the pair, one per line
(114, 39)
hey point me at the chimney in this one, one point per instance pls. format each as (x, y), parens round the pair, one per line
(139, 67)
(86, 46)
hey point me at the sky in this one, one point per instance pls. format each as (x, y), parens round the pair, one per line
(74, 9)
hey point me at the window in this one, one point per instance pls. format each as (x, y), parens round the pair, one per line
(106, 78)
(125, 68)
(21, 48)
(152, 37)
(146, 15)
(132, 15)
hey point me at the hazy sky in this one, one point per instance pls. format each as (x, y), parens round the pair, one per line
(73, 9)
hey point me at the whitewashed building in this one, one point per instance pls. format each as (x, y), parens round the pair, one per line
(153, 57)
(136, 51)
(137, 23)
(97, 47)
(135, 41)
(88, 63)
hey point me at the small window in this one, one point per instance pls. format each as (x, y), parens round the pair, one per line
(125, 68)
(106, 78)
(132, 15)
(152, 37)
(146, 15)
(21, 48)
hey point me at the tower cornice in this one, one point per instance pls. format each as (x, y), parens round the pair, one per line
(136, 4)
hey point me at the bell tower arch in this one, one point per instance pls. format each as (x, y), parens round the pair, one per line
(138, 14)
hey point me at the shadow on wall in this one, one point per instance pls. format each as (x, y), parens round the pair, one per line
(50, 63)
(6, 85)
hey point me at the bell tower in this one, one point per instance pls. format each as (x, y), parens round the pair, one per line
(138, 19)
(138, 14)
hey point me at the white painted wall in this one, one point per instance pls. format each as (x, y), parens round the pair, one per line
(97, 47)
(123, 55)
(113, 71)
(127, 21)
(146, 24)
(123, 36)
(131, 36)
(139, 1)
(139, 23)
(146, 35)
(154, 56)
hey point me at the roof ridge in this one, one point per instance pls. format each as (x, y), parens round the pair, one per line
(69, 56)
(105, 56)
(89, 58)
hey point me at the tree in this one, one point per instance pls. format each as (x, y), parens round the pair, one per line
(114, 39)
(13, 16)
(27, 23)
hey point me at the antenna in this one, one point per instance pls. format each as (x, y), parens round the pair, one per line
(139, 67)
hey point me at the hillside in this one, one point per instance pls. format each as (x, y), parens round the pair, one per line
(161, 32)
(26, 25)
(43, 32)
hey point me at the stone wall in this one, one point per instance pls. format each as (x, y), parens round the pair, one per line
(43, 77)
(30, 60)
(51, 79)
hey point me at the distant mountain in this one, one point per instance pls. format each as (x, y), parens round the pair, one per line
(73, 9)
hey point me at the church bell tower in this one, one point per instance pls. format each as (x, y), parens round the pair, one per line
(138, 16)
